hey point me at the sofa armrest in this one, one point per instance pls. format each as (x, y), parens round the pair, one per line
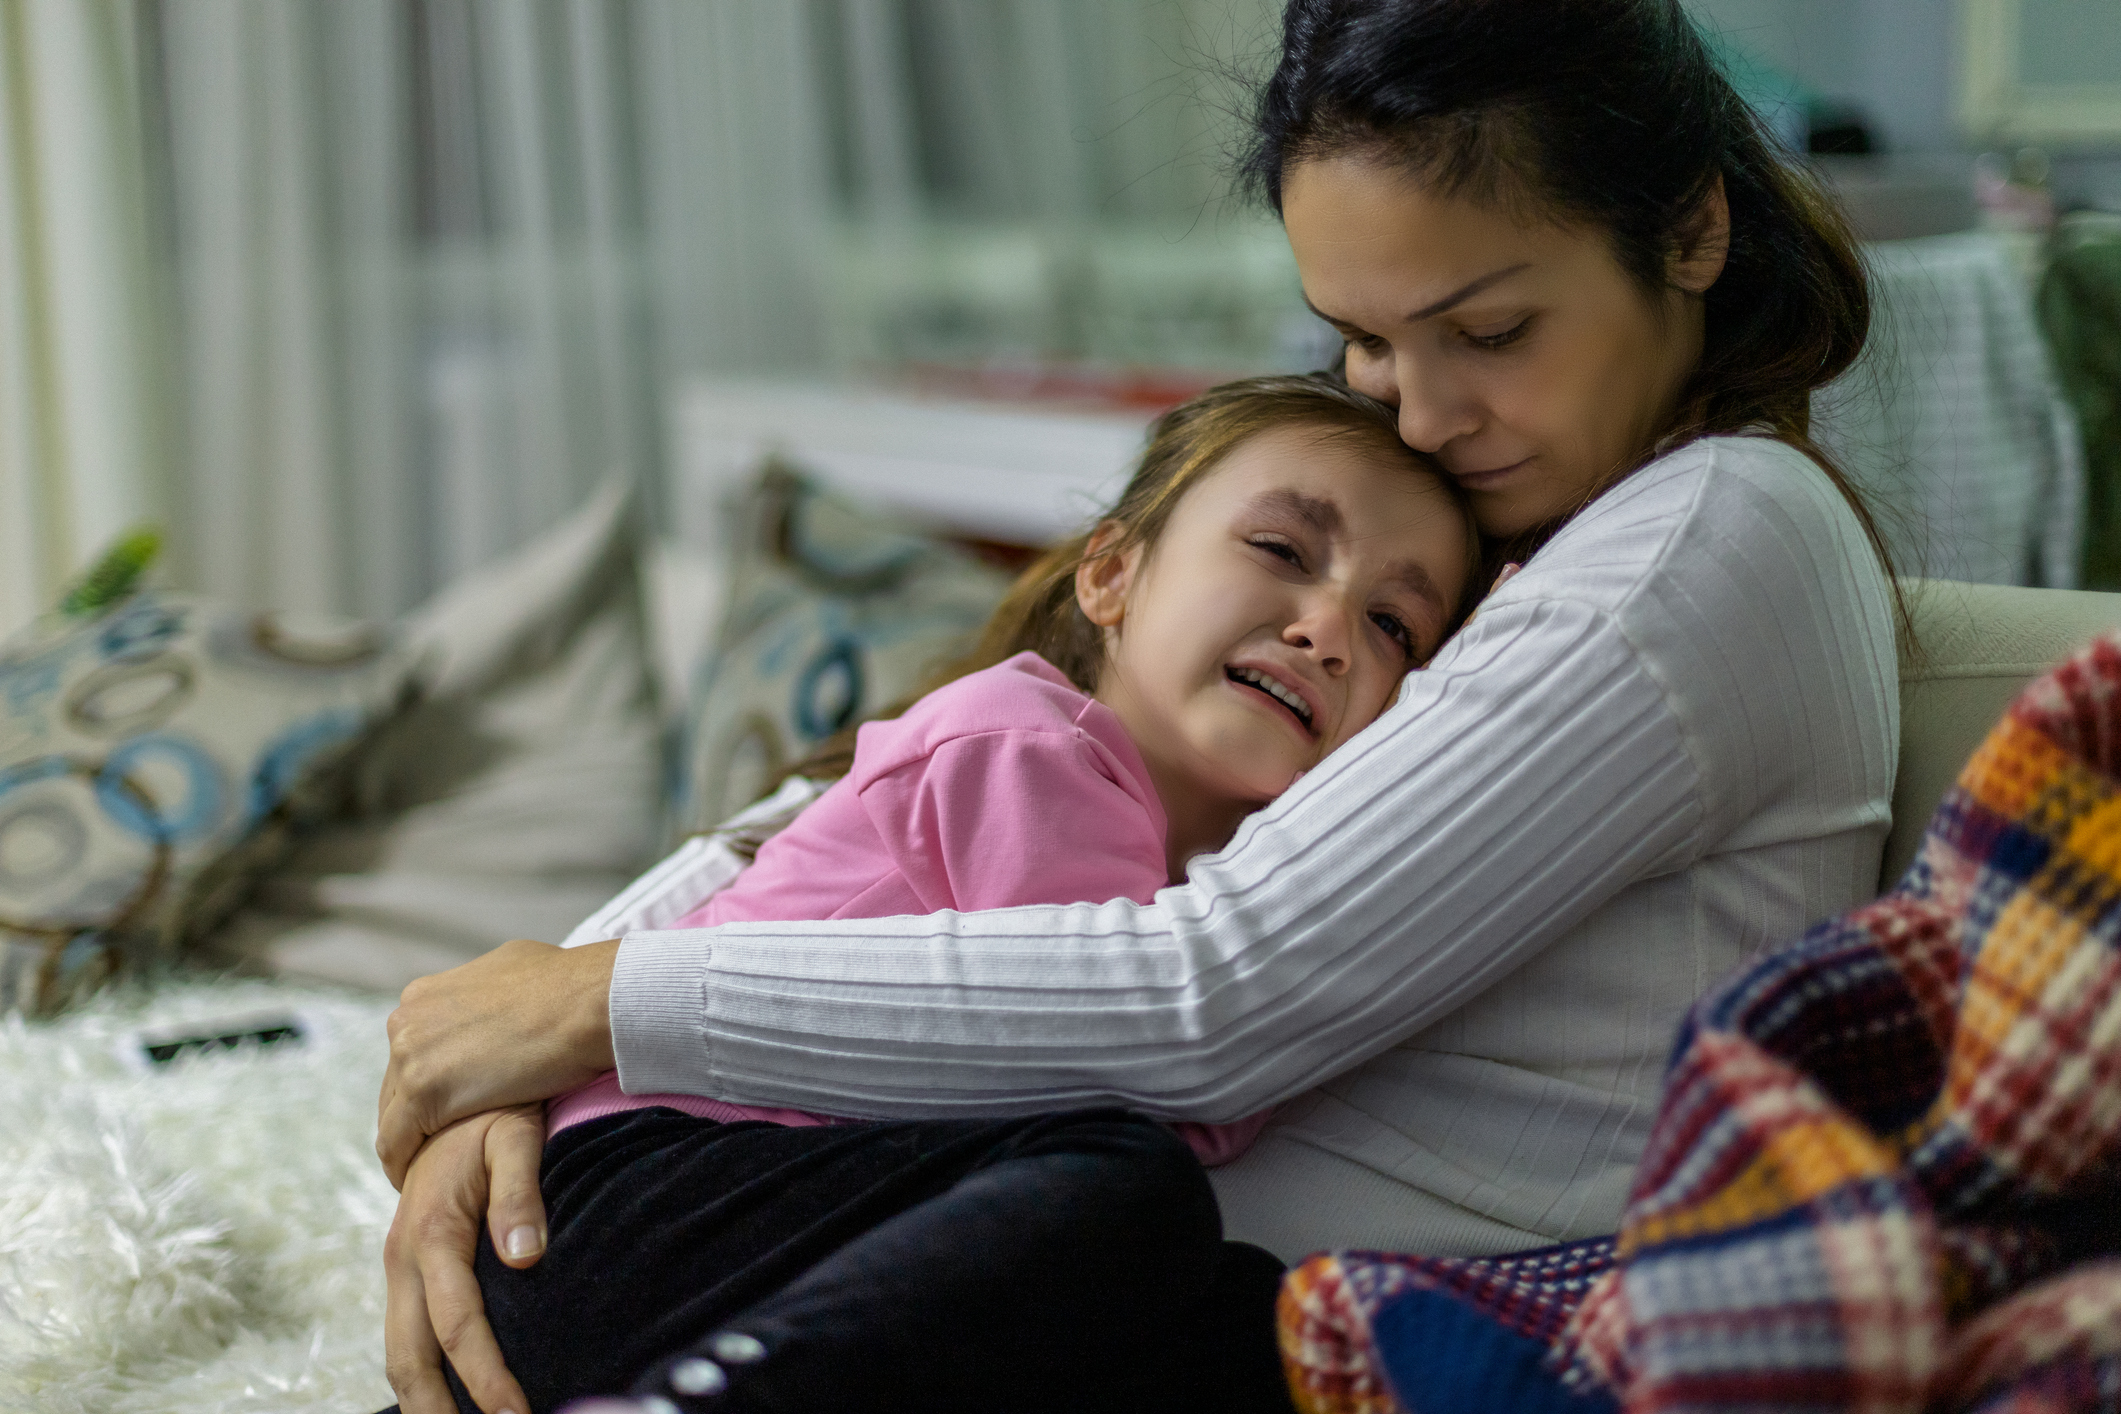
(1976, 646)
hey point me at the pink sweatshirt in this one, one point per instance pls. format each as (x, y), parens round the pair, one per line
(1009, 786)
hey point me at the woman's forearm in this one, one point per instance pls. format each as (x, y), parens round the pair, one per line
(1392, 885)
(1701, 662)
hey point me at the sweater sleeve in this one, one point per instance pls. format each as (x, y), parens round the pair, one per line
(1529, 774)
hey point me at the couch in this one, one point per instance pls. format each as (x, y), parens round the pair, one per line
(1975, 646)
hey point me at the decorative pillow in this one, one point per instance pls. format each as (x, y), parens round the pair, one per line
(154, 752)
(833, 614)
(522, 789)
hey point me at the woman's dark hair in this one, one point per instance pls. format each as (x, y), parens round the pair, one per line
(1613, 115)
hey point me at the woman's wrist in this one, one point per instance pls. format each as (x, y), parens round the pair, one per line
(590, 968)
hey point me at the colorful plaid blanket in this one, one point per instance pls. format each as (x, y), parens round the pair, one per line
(1886, 1174)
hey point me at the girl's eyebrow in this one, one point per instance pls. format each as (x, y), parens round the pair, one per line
(1447, 303)
(1315, 511)
(1324, 517)
(1415, 577)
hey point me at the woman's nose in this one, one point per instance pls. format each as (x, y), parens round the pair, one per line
(1432, 412)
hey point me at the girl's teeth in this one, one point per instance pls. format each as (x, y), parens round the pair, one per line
(1269, 685)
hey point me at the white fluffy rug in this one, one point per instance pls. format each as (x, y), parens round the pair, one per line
(202, 1237)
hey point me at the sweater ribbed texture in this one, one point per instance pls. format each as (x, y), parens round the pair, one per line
(1460, 946)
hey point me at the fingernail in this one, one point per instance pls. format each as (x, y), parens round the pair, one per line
(522, 1242)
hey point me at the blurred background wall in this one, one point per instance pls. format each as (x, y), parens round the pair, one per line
(352, 296)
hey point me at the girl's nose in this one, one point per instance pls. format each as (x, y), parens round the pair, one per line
(1323, 632)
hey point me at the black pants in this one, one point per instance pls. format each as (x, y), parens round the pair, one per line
(1069, 1262)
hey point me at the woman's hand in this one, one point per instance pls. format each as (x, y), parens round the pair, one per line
(525, 1022)
(481, 1168)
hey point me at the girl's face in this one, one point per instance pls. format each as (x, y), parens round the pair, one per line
(1292, 587)
(1519, 354)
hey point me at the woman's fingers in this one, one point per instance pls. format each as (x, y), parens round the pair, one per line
(524, 1022)
(399, 1134)
(515, 1216)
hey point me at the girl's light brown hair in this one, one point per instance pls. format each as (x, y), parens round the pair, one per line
(1040, 613)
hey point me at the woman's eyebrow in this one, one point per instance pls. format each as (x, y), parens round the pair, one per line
(1448, 302)
(1466, 292)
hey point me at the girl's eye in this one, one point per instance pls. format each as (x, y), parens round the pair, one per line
(1395, 630)
(1503, 340)
(1280, 549)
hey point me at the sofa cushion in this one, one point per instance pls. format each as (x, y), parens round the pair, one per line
(156, 753)
(522, 790)
(1975, 646)
(833, 613)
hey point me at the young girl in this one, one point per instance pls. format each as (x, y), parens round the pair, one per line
(1277, 564)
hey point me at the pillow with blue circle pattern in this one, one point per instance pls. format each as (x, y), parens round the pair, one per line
(155, 752)
(833, 614)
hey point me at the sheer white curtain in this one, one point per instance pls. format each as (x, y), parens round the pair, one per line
(1063, 111)
(1042, 178)
(434, 259)
(80, 440)
(351, 295)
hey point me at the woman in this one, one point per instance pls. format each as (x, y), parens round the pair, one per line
(1557, 243)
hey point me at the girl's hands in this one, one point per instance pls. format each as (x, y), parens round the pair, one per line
(525, 1022)
(481, 1168)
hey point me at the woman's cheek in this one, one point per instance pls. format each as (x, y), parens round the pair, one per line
(1371, 374)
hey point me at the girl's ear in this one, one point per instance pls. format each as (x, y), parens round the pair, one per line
(1104, 576)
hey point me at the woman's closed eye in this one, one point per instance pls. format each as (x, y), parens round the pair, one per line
(1501, 339)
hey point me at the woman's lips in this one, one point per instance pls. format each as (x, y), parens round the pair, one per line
(1485, 480)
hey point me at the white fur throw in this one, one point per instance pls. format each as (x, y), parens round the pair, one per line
(204, 1236)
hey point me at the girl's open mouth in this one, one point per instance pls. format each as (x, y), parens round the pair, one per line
(1275, 691)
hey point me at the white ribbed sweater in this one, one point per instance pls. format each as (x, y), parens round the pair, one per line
(1460, 946)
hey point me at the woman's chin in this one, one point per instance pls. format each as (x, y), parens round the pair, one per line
(1507, 512)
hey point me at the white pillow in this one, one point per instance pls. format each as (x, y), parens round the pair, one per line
(521, 792)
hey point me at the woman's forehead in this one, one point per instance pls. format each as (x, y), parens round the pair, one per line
(1370, 236)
